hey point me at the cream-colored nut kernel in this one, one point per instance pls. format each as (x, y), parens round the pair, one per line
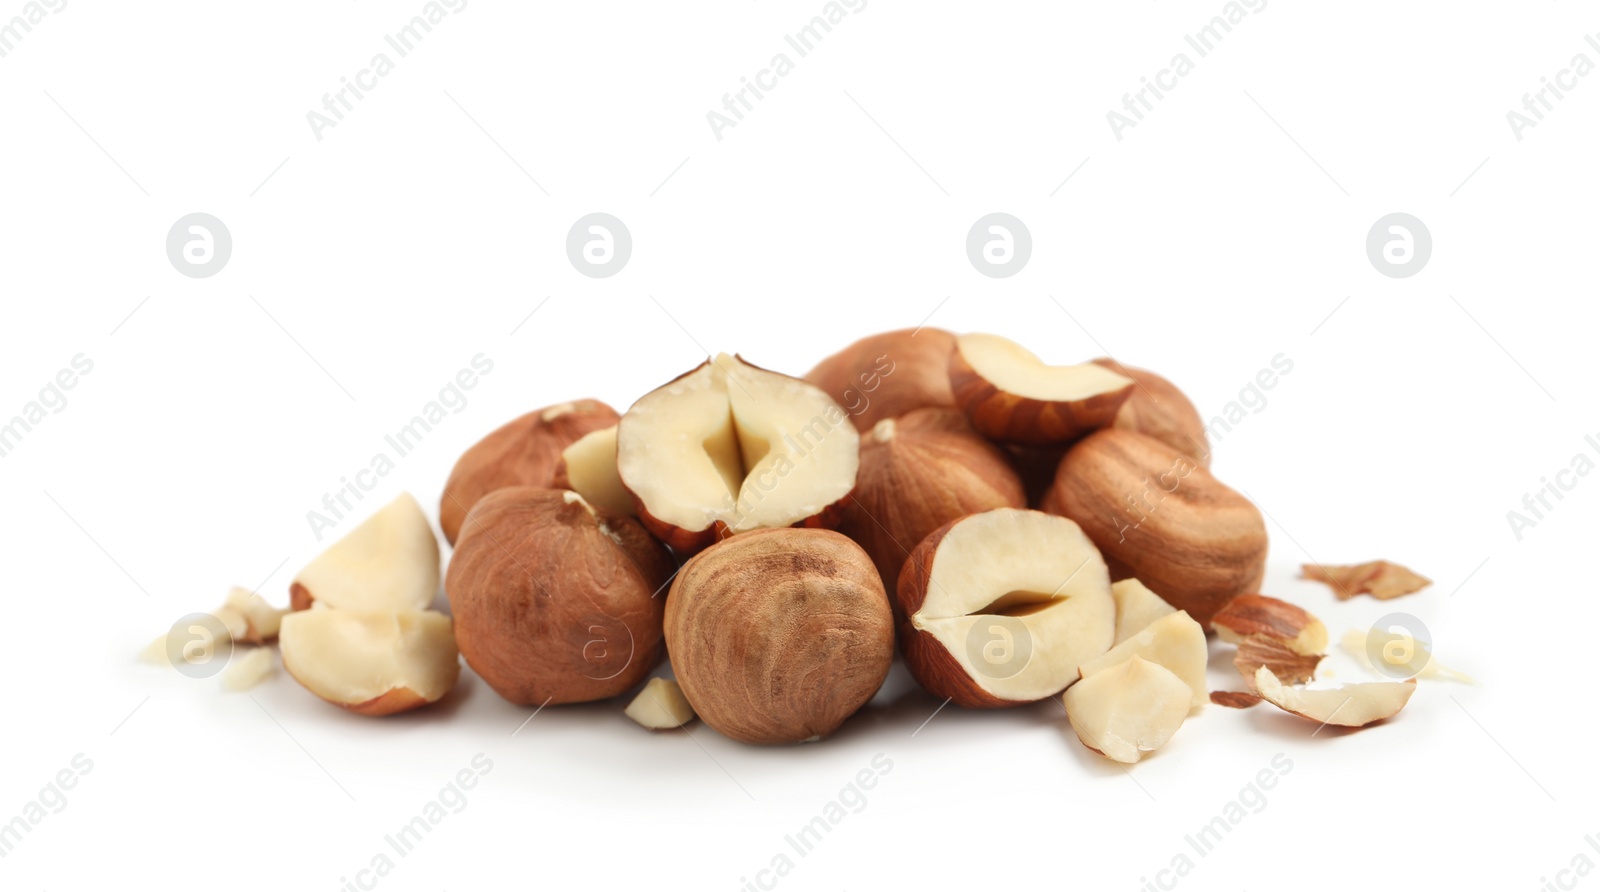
(661, 705)
(248, 669)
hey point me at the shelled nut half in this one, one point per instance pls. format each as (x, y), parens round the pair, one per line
(1001, 608)
(389, 562)
(1128, 709)
(729, 447)
(373, 663)
(1012, 396)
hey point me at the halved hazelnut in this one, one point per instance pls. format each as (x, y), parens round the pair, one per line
(919, 472)
(1350, 706)
(730, 447)
(1158, 409)
(887, 375)
(661, 705)
(1137, 608)
(1176, 642)
(1286, 664)
(778, 636)
(523, 452)
(389, 562)
(1248, 615)
(556, 601)
(1001, 608)
(245, 671)
(1128, 710)
(1013, 396)
(1157, 515)
(371, 662)
(589, 468)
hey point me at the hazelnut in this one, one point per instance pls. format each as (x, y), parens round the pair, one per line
(389, 562)
(919, 472)
(887, 375)
(1157, 408)
(1175, 642)
(730, 447)
(556, 601)
(1348, 706)
(523, 452)
(1258, 615)
(1001, 608)
(1137, 607)
(1012, 396)
(660, 706)
(589, 468)
(1159, 516)
(371, 662)
(778, 636)
(1128, 709)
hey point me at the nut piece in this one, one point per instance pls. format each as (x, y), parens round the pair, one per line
(887, 375)
(245, 671)
(1400, 652)
(1158, 409)
(556, 601)
(523, 452)
(730, 447)
(1287, 665)
(1011, 395)
(1249, 615)
(1235, 699)
(389, 562)
(261, 619)
(371, 662)
(919, 472)
(1175, 642)
(1380, 579)
(1137, 608)
(1127, 710)
(589, 468)
(1157, 515)
(778, 636)
(1349, 706)
(1001, 608)
(661, 705)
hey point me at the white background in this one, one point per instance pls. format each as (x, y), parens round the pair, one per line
(370, 266)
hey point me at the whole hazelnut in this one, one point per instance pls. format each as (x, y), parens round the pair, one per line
(1156, 514)
(887, 375)
(556, 601)
(918, 472)
(779, 635)
(1157, 408)
(523, 452)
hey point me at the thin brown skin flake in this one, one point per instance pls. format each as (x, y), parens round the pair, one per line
(1381, 579)
(1235, 699)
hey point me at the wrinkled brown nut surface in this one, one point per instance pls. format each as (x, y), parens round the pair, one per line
(556, 601)
(778, 636)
